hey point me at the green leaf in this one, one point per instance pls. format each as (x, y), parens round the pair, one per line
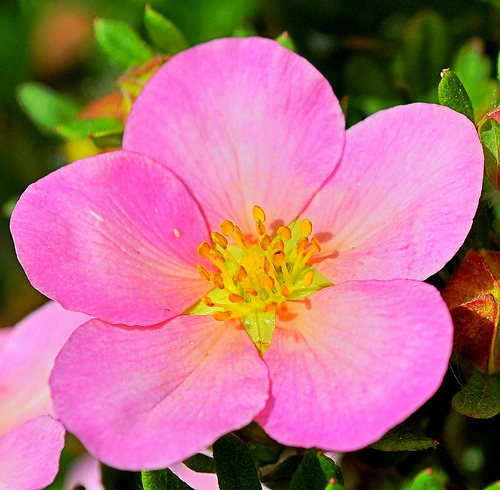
(164, 34)
(493, 486)
(452, 93)
(474, 68)
(90, 128)
(408, 436)
(480, 397)
(46, 107)
(163, 480)
(113, 479)
(316, 472)
(427, 480)
(121, 43)
(489, 133)
(201, 463)
(234, 465)
(286, 41)
(280, 476)
(264, 454)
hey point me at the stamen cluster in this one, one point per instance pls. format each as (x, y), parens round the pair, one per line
(257, 276)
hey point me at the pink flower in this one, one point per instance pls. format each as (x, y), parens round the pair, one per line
(342, 341)
(31, 440)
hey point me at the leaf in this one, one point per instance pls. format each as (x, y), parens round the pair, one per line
(316, 472)
(474, 68)
(408, 436)
(480, 398)
(164, 34)
(489, 133)
(234, 465)
(201, 463)
(452, 94)
(427, 480)
(263, 454)
(286, 41)
(281, 475)
(90, 128)
(163, 480)
(121, 43)
(113, 479)
(46, 107)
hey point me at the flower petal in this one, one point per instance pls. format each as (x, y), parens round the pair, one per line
(241, 122)
(403, 197)
(114, 236)
(146, 398)
(26, 361)
(30, 454)
(354, 360)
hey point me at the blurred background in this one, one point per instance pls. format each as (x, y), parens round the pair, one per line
(375, 53)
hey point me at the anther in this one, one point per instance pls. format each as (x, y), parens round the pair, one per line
(235, 298)
(205, 275)
(218, 255)
(316, 243)
(203, 250)
(207, 301)
(285, 291)
(219, 239)
(305, 227)
(270, 307)
(251, 292)
(241, 274)
(239, 235)
(301, 245)
(265, 241)
(284, 232)
(267, 265)
(278, 245)
(308, 279)
(258, 214)
(227, 227)
(267, 282)
(279, 258)
(217, 280)
(222, 316)
(261, 227)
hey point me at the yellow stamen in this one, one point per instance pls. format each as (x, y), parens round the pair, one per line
(207, 301)
(308, 279)
(258, 214)
(204, 249)
(284, 232)
(227, 227)
(205, 275)
(305, 227)
(265, 241)
(219, 239)
(222, 316)
(217, 280)
(241, 274)
(235, 298)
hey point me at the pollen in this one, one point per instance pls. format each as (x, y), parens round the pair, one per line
(257, 275)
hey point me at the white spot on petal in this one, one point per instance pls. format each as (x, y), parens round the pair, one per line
(176, 232)
(96, 216)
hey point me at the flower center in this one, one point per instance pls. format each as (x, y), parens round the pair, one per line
(255, 279)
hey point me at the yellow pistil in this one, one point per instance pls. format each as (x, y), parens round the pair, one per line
(256, 278)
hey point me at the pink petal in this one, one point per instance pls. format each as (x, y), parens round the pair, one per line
(354, 360)
(84, 471)
(241, 122)
(26, 361)
(4, 335)
(205, 481)
(403, 197)
(29, 455)
(146, 398)
(114, 236)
